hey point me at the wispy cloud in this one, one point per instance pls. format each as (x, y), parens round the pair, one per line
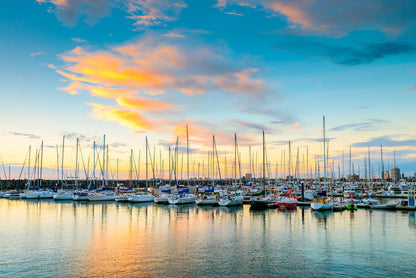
(79, 40)
(346, 55)
(28, 135)
(371, 124)
(296, 127)
(336, 17)
(69, 11)
(173, 35)
(143, 12)
(386, 141)
(37, 54)
(234, 13)
(153, 12)
(250, 125)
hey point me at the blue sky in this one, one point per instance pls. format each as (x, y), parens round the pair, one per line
(136, 68)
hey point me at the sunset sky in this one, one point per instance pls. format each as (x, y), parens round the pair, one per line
(135, 68)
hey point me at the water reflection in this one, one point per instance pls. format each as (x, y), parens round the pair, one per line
(44, 238)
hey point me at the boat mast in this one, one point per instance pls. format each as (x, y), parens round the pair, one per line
(289, 168)
(264, 168)
(28, 169)
(146, 163)
(350, 164)
(93, 171)
(213, 161)
(103, 169)
(62, 163)
(235, 157)
(369, 169)
(57, 164)
(76, 165)
(187, 154)
(382, 163)
(41, 165)
(324, 152)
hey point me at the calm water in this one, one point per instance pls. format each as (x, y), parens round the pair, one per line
(50, 239)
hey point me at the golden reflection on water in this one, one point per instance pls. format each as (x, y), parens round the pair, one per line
(119, 239)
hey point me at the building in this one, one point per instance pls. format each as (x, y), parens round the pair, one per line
(395, 174)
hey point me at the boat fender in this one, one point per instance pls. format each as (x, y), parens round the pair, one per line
(217, 197)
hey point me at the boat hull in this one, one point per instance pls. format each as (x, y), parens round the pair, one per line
(321, 207)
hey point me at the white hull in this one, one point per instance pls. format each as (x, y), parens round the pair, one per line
(122, 198)
(180, 200)
(39, 195)
(80, 197)
(101, 197)
(63, 196)
(319, 206)
(141, 198)
(162, 199)
(233, 201)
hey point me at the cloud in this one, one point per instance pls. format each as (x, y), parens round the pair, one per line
(371, 124)
(161, 68)
(146, 104)
(386, 141)
(413, 88)
(173, 35)
(69, 11)
(337, 17)
(153, 12)
(234, 13)
(296, 127)
(143, 12)
(131, 119)
(347, 55)
(79, 40)
(28, 135)
(202, 136)
(255, 126)
(37, 53)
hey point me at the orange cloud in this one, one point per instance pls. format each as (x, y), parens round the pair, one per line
(151, 67)
(132, 120)
(296, 127)
(200, 135)
(145, 104)
(240, 82)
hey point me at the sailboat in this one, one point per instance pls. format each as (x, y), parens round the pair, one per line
(145, 197)
(107, 193)
(237, 198)
(163, 195)
(183, 196)
(261, 203)
(63, 194)
(82, 194)
(322, 204)
(208, 197)
(39, 194)
(289, 201)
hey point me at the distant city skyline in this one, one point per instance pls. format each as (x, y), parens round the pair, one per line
(134, 68)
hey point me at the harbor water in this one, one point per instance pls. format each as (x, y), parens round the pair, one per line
(67, 239)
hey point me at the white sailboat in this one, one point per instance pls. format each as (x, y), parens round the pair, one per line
(143, 197)
(208, 198)
(65, 194)
(237, 198)
(183, 196)
(323, 204)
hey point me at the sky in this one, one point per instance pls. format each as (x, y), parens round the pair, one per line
(131, 69)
